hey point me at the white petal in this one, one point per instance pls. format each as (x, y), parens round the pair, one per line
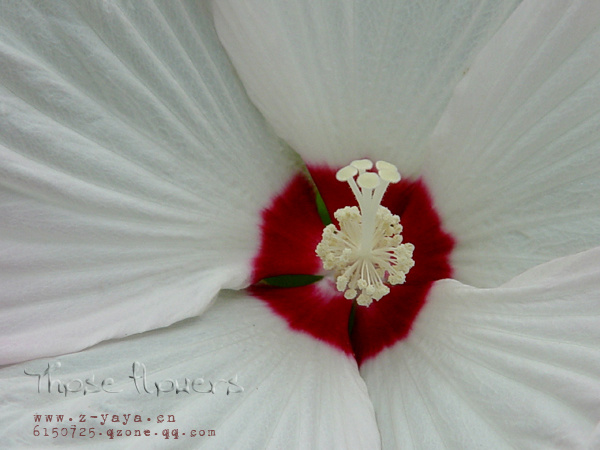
(512, 367)
(132, 171)
(345, 80)
(594, 441)
(515, 161)
(297, 392)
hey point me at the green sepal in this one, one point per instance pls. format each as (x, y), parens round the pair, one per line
(287, 281)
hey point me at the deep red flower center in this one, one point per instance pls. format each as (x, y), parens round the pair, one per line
(291, 230)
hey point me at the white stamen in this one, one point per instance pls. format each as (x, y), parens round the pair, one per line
(368, 180)
(385, 165)
(366, 253)
(362, 164)
(391, 176)
(345, 173)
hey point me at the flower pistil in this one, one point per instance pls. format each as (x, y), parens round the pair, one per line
(366, 253)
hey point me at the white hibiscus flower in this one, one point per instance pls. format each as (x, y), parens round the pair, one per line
(141, 186)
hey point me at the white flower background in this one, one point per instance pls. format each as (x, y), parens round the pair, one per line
(140, 141)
